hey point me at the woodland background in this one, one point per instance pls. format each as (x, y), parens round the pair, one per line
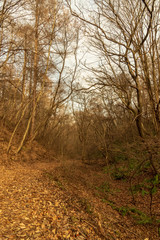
(49, 91)
(82, 80)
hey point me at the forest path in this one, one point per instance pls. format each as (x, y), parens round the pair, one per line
(36, 204)
(30, 209)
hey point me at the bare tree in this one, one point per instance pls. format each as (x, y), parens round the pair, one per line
(83, 122)
(120, 32)
(40, 74)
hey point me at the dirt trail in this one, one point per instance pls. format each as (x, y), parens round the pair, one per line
(33, 208)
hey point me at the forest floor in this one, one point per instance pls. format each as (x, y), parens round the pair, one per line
(44, 198)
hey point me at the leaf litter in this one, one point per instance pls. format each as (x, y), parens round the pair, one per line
(42, 199)
(30, 210)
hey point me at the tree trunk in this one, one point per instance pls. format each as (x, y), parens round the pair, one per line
(33, 114)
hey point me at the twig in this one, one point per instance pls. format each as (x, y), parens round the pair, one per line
(98, 231)
(127, 229)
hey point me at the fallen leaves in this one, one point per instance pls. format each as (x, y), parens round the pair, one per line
(33, 208)
(30, 210)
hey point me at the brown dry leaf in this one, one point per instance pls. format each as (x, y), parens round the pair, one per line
(54, 231)
(56, 203)
(22, 226)
(43, 226)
